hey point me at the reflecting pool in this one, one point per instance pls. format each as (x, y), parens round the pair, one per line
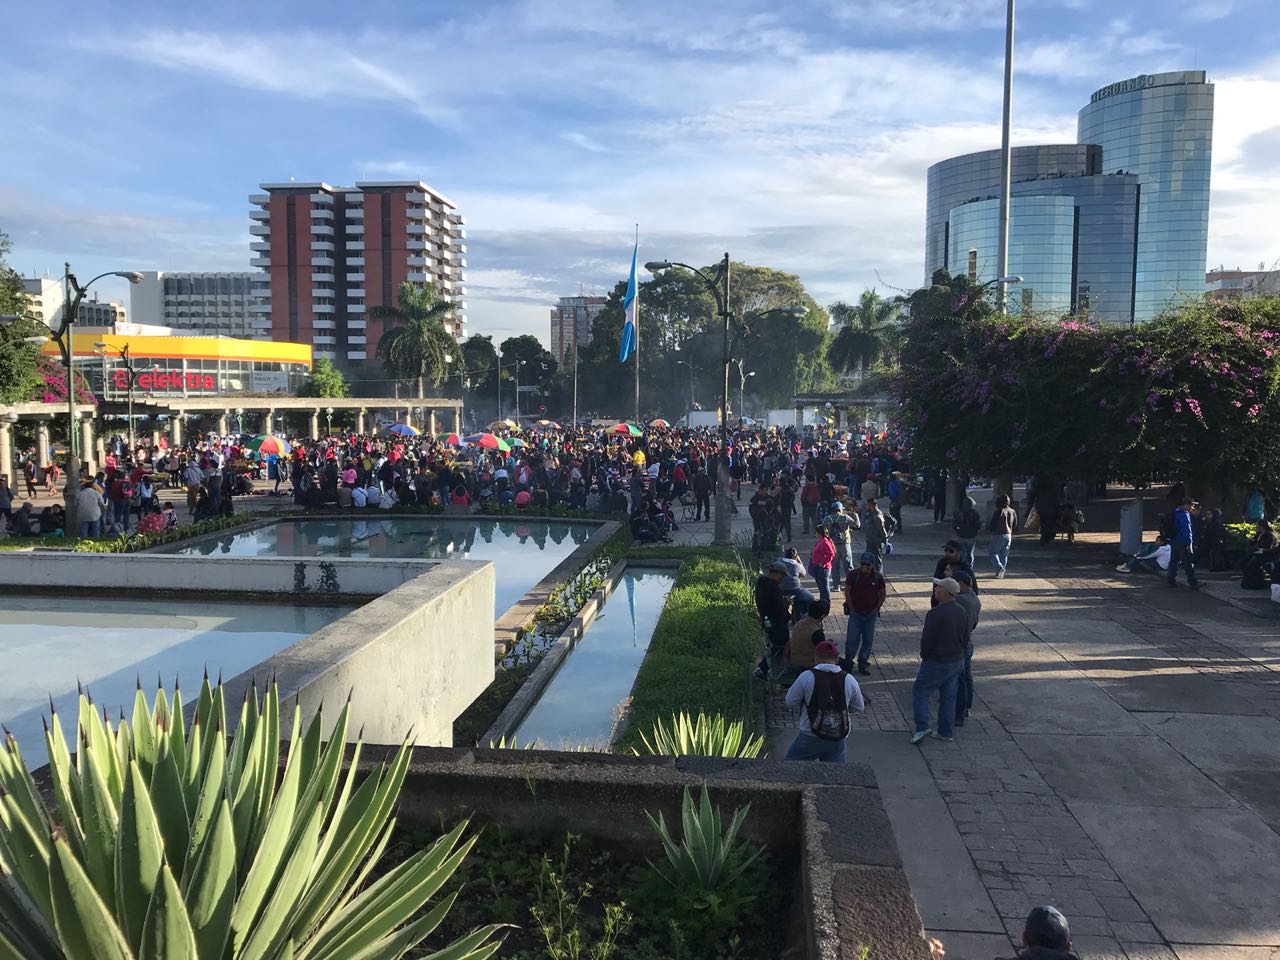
(580, 704)
(48, 643)
(522, 551)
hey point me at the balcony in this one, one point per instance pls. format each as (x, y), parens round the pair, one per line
(416, 197)
(259, 261)
(324, 308)
(322, 261)
(355, 213)
(417, 229)
(417, 261)
(322, 323)
(355, 278)
(325, 246)
(321, 230)
(355, 323)
(355, 228)
(355, 355)
(260, 323)
(322, 277)
(259, 198)
(324, 341)
(320, 213)
(260, 230)
(461, 261)
(260, 308)
(259, 215)
(260, 247)
(355, 308)
(355, 261)
(457, 218)
(418, 278)
(322, 198)
(416, 244)
(357, 245)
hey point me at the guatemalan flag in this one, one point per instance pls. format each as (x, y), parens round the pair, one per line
(631, 307)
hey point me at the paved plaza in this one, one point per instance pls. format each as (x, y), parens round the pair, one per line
(1122, 760)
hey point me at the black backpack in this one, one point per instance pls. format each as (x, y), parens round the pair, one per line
(828, 711)
(968, 523)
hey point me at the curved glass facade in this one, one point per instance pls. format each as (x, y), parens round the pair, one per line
(1160, 128)
(1041, 249)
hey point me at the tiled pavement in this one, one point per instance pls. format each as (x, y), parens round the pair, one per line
(1122, 761)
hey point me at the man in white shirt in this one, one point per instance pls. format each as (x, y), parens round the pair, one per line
(1154, 558)
(824, 702)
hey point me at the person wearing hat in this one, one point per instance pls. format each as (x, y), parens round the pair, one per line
(864, 594)
(967, 599)
(942, 645)
(877, 533)
(824, 696)
(952, 559)
(1046, 936)
(838, 523)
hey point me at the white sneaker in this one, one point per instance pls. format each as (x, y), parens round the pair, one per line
(920, 735)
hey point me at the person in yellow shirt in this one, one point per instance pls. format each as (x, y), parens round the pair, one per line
(638, 459)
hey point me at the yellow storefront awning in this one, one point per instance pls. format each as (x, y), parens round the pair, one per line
(186, 348)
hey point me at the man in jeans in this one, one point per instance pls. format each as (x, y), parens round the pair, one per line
(806, 746)
(838, 524)
(864, 593)
(1184, 544)
(942, 644)
(1004, 520)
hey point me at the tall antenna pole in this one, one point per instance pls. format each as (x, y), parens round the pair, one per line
(637, 371)
(1002, 262)
(575, 382)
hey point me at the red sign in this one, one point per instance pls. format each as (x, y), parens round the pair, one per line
(164, 380)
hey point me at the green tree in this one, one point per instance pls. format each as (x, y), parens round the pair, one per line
(480, 361)
(20, 377)
(415, 350)
(325, 380)
(866, 333)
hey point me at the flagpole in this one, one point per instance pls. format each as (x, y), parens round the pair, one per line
(637, 334)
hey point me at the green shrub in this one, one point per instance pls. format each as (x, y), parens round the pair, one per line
(700, 654)
(699, 736)
(167, 843)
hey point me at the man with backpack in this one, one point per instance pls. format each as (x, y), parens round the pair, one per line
(966, 524)
(824, 695)
(864, 594)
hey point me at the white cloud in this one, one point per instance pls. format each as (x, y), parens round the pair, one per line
(583, 141)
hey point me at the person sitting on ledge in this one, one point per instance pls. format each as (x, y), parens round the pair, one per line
(1154, 558)
(1046, 936)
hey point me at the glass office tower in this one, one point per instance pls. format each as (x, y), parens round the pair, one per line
(1160, 127)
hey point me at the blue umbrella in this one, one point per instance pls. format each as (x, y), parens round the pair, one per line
(402, 430)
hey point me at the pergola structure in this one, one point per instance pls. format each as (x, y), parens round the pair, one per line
(840, 403)
(176, 409)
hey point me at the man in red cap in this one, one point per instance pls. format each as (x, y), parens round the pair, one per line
(824, 694)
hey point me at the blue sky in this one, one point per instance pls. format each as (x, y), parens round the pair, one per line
(792, 134)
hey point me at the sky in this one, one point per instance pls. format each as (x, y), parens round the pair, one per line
(794, 135)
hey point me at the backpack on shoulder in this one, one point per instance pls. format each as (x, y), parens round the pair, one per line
(827, 709)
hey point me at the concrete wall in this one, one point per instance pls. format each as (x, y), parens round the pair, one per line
(410, 661)
(141, 571)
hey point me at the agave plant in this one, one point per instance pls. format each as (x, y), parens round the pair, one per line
(704, 858)
(165, 842)
(700, 736)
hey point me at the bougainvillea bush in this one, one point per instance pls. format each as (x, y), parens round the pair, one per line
(53, 384)
(1191, 395)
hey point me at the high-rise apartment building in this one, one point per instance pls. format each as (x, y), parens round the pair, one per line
(1224, 284)
(204, 304)
(45, 301)
(1115, 225)
(329, 255)
(571, 324)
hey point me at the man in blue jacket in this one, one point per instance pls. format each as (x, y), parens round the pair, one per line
(1183, 546)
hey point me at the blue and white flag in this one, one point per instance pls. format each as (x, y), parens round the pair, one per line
(631, 307)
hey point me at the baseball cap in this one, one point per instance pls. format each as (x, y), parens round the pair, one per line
(867, 557)
(1047, 927)
(777, 567)
(827, 648)
(963, 576)
(837, 507)
(952, 545)
(948, 584)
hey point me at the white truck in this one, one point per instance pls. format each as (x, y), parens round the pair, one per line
(699, 418)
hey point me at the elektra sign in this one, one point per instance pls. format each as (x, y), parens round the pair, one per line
(164, 380)
(1124, 86)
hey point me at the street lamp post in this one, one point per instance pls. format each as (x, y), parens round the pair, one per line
(328, 416)
(239, 420)
(123, 352)
(742, 388)
(689, 364)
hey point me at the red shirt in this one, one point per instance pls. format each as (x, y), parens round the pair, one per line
(865, 594)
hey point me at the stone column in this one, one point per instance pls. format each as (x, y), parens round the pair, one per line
(86, 445)
(100, 448)
(266, 420)
(431, 422)
(360, 415)
(155, 436)
(6, 454)
(315, 424)
(457, 420)
(799, 418)
(175, 430)
(222, 423)
(42, 444)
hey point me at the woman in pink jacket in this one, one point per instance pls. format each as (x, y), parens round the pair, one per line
(824, 551)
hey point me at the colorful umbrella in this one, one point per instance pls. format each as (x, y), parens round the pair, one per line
(629, 429)
(402, 430)
(486, 440)
(549, 423)
(517, 442)
(659, 423)
(451, 439)
(504, 425)
(268, 443)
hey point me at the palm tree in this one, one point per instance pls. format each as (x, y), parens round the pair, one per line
(865, 335)
(417, 346)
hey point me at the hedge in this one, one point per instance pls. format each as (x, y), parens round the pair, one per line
(701, 654)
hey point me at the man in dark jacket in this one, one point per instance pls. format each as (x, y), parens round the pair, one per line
(774, 612)
(1046, 936)
(952, 561)
(702, 495)
(1183, 553)
(942, 645)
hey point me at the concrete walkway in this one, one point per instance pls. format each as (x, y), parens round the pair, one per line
(1122, 761)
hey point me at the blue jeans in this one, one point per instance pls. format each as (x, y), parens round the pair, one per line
(999, 550)
(822, 576)
(842, 563)
(90, 528)
(942, 676)
(808, 747)
(966, 551)
(800, 600)
(964, 688)
(860, 637)
(877, 551)
(1181, 553)
(120, 513)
